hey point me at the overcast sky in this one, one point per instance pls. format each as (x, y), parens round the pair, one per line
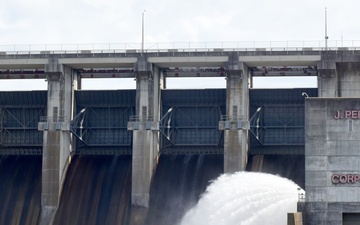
(119, 21)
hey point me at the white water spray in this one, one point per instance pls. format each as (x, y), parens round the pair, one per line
(245, 198)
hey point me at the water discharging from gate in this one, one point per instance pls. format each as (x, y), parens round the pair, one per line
(20, 185)
(97, 190)
(245, 198)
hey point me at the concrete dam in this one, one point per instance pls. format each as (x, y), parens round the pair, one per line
(144, 156)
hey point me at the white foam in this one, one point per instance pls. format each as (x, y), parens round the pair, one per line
(245, 198)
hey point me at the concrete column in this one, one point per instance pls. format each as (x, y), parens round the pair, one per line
(236, 124)
(328, 80)
(145, 131)
(77, 81)
(57, 138)
(348, 73)
(162, 79)
(338, 76)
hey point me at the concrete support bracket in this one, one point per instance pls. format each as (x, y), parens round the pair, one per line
(327, 63)
(53, 70)
(326, 73)
(234, 125)
(233, 63)
(143, 125)
(143, 69)
(326, 68)
(57, 126)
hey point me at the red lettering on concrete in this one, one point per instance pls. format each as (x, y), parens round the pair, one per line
(335, 178)
(357, 178)
(354, 114)
(347, 114)
(343, 178)
(337, 115)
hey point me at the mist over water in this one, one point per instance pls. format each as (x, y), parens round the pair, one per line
(245, 198)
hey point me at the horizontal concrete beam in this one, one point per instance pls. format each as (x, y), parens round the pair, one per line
(194, 74)
(280, 60)
(106, 75)
(23, 63)
(189, 61)
(204, 60)
(111, 62)
(33, 75)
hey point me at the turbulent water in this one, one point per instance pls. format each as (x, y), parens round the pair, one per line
(97, 191)
(245, 198)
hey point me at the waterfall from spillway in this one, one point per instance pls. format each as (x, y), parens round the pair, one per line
(245, 198)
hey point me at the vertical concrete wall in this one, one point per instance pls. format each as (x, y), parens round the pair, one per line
(337, 78)
(237, 112)
(328, 80)
(57, 138)
(145, 131)
(349, 74)
(332, 138)
(332, 141)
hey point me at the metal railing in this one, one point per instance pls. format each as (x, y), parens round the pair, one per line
(316, 45)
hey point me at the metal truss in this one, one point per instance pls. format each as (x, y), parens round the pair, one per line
(279, 124)
(191, 126)
(19, 126)
(102, 126)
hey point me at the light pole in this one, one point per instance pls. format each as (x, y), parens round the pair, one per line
(326, 37)
(142, 33)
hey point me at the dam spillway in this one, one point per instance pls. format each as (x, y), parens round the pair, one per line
(249, 128)
(97, 186)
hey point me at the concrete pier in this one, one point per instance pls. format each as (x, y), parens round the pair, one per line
(328, 79)
(145, 126)
(237, 116)
(57, 144)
